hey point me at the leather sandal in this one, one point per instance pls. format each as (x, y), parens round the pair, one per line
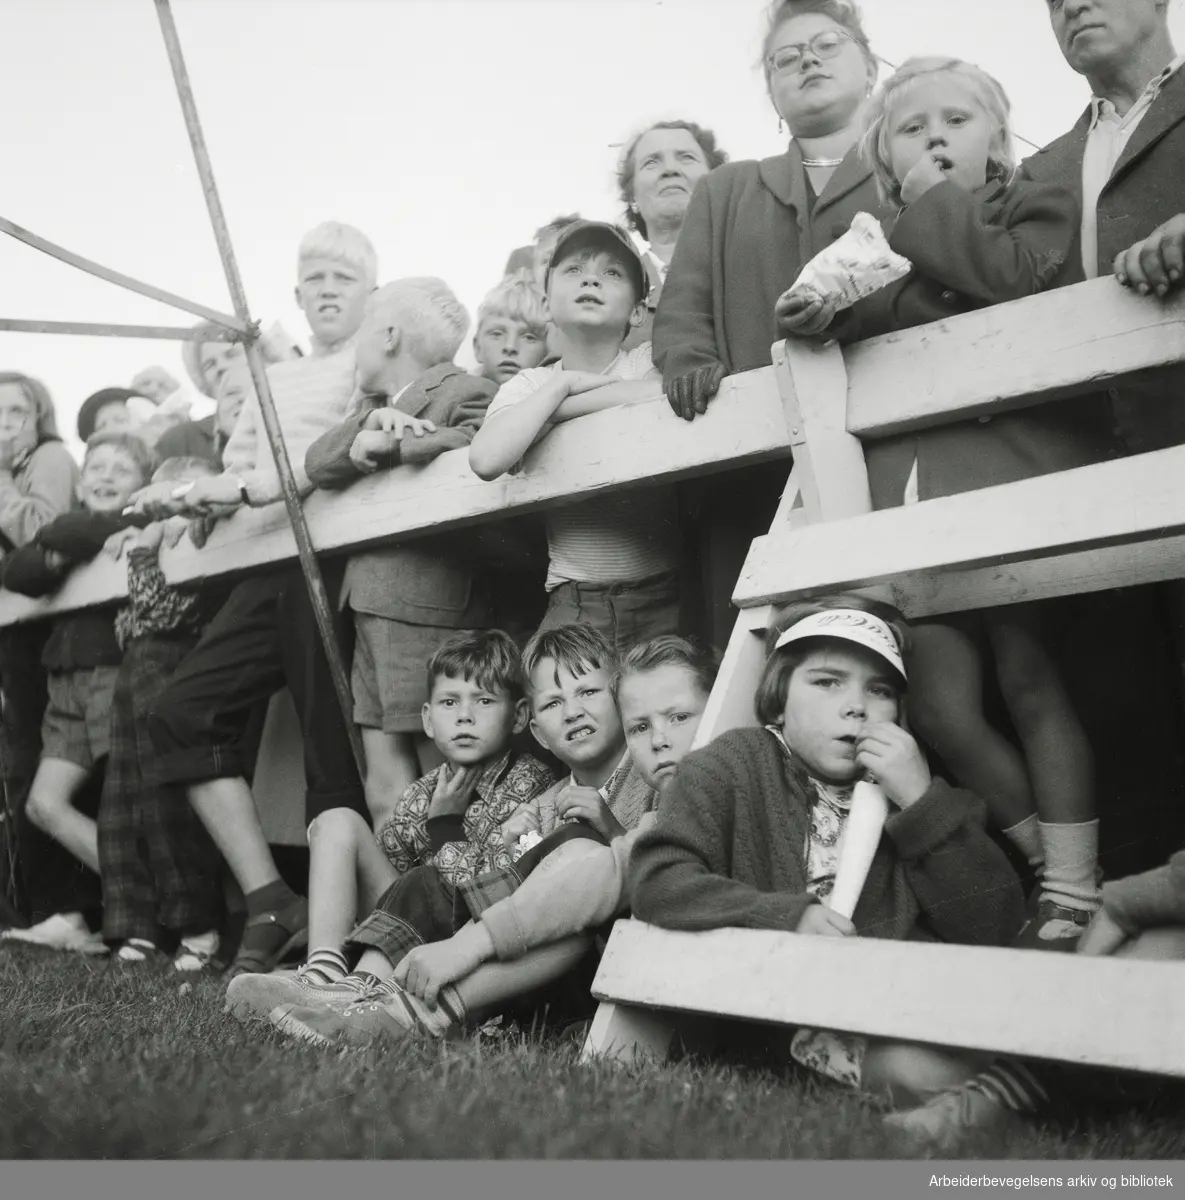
(268, 937)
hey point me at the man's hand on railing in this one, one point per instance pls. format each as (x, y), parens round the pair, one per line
(1157, 264)
(688, 395)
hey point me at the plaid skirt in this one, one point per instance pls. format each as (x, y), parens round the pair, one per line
(159, 868)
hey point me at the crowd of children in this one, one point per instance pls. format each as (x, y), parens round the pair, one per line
(460, 875)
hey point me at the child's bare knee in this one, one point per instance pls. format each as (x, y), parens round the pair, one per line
(41, 811)
(337, 825)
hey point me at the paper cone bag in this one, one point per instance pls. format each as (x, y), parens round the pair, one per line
(861, 836)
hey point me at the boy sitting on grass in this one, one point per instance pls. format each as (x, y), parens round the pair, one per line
(613, 561)
(449, 822)
(512, 329)
(407, 600)
(661, 689)
(569, 682)
(82, 659)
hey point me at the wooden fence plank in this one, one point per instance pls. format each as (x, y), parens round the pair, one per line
(1119, 1013)
(1060, 343)
(604, 452)
(1125, 501)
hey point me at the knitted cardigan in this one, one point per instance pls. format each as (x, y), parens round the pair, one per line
(728, 848)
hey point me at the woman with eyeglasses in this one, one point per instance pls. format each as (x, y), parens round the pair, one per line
(749, 230)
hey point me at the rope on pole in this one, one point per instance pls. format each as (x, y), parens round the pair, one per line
(172, 333)
(271, 421)
(118, 277)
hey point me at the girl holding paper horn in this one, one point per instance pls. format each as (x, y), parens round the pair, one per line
(752, 830)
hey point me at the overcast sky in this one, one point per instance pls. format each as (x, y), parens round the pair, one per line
(448, 130)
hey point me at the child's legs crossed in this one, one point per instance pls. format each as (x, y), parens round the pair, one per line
(946, 708)
(348, 871)
(1059, 758)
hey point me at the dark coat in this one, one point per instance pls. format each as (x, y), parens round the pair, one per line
(436, 586)
(969, 251)
(748, 232)
(1146, 188)
(727, 849)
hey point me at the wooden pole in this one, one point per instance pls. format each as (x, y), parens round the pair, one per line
(117, 277)
(171, 333)
(271, 421)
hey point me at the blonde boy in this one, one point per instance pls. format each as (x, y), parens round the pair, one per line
(264, 637)
(512, 329)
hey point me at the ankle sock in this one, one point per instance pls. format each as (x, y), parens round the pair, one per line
(136, 950)
(448, 1014)
(1026, 837)
(325, 964)
(269, 898)
(1011, 1084)
(1071, 856)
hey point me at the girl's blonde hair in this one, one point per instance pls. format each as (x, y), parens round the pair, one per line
(988, 94)
(519, 298)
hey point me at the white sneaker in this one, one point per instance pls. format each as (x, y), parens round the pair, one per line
(196, 952)
(62, 931)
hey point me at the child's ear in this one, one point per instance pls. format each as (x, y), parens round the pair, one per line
(538, 736)
(394, 341)
(426, 721)
(522, 715)
(638, 315)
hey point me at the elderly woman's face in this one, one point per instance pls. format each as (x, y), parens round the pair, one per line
(667, 163)
(816, 95)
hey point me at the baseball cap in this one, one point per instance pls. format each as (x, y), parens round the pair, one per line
(850, 625)
(582, 234)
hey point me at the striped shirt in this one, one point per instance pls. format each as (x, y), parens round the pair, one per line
(620, 538)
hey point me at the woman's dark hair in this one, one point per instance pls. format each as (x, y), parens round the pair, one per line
(780, 665)
(705, 139)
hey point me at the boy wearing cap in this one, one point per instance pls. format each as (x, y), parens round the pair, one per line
(612, 561)
(749, 832)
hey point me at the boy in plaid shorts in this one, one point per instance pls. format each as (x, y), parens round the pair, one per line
(82, 659)
(447, 827)
(161, 873)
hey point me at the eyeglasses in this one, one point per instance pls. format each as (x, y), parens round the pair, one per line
(823, 46)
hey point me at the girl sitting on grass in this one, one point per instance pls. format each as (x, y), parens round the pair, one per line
(749, 831)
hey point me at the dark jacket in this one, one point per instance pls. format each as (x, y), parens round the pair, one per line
(748, 232)
(436, 586)
(1144, 191)
(727, 848)
(969, 251)
(86, 638)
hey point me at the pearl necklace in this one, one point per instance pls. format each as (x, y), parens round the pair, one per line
(821, 162)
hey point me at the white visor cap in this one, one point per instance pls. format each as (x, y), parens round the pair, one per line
(850, 625)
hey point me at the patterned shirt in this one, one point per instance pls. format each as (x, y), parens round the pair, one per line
(471, 845)
(153, 606)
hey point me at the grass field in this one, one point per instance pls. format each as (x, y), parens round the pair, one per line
(101, 1061)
